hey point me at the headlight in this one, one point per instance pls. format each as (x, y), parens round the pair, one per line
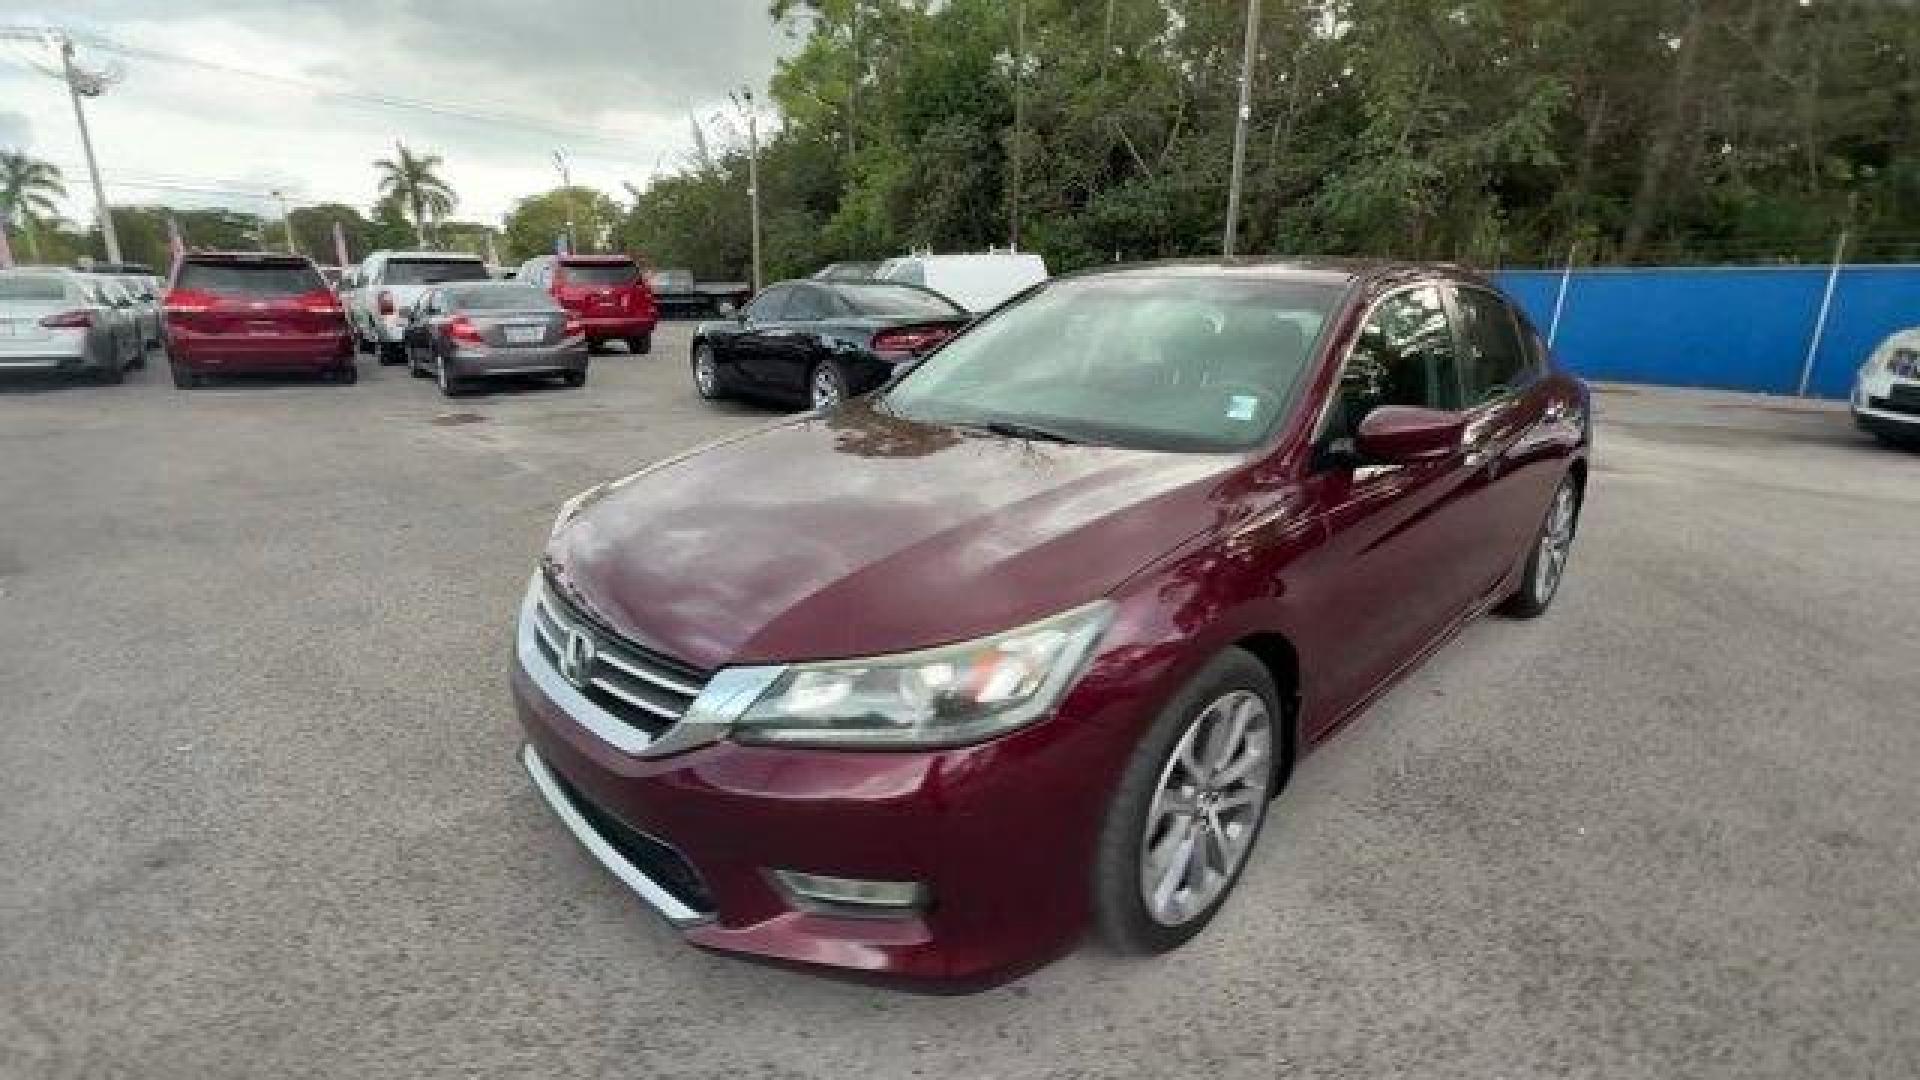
(1904, 362)
(571, 507)
(938, 697)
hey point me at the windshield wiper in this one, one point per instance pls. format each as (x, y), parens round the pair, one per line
(1014, 430)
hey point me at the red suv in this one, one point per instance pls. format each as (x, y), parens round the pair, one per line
(922, 685)
(607, 292)
(254, 311)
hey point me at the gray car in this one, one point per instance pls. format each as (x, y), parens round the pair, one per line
(464, 332)
(57, 320)
(146, 305)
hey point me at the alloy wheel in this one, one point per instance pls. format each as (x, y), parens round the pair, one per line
(704, 377)
(1206, 808)
(1556, 543)
(826, 388)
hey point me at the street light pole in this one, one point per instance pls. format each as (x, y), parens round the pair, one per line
(75, 85)
(1240, 127)
(753, 181)
(566, 191)
(286, 219)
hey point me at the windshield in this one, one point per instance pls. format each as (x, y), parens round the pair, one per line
(1169, 363)
(599, 273)
(250, 279)
(500, 298)
(427, 271)
(898, 302)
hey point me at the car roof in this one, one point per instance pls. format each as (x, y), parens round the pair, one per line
(436, 256)
(1329, 271)
(591, 259)
(275, 257)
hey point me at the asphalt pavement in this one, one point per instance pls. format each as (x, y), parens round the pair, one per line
(260, 814)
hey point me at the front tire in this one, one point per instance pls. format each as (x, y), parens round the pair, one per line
(706, 374)
(1189, 807)
(640, 346)
(1540, 580)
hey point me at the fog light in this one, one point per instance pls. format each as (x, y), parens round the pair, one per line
(852, 896)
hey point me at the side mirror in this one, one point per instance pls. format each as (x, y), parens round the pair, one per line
(1400, 435)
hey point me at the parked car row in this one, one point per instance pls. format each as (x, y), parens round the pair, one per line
(54, 319)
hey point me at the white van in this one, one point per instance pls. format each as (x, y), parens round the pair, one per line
(979, 282)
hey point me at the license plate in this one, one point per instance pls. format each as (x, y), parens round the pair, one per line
(525, 335)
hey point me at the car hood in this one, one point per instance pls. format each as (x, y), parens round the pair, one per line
(862, 534)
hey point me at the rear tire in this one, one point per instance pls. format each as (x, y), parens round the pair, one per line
(640, 346)
(391, 354)
(1552, 546)
(111, 375)
(826, 386)
(182, 378)
(574, 378)
(1161, 795)
(348, 375)
(449, 386)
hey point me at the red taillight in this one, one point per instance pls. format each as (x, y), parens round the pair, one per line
(386, 302)
(68, 320)
(910, 340)
(188, 302)
(459, 328)
(319, 302)
(573, 327)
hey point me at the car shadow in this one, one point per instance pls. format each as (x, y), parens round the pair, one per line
(48, 382)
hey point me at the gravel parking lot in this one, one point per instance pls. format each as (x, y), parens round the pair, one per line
(261, 814)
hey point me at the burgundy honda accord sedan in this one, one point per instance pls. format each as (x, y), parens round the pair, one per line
(1028, 640)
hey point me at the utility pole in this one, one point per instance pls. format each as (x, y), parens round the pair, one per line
(1019, 121)
(1240, 127)
(566, 191)
(85, 84)
(286, 219)
(745, 101)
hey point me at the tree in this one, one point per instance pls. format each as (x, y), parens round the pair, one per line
(414, 180)
(390, 230)
(535, 222)
(313, 230)
(28, 187)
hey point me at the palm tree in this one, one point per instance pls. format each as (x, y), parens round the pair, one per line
(28, 187)
(412, 179)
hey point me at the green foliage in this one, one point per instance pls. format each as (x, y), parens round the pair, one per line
(413, 180)
(28, 188)
(1490, 131)
(535, 222)
(313, 231)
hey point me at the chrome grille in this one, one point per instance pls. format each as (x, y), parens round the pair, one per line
(643, 690)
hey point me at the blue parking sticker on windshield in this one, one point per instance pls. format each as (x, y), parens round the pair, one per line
(1242, 406)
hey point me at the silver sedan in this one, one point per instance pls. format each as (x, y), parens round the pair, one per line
(51, 320)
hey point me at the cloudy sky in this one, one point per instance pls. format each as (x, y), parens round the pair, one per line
(225, 100)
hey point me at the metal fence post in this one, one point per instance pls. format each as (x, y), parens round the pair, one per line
(1560, 298)
(1826, 307)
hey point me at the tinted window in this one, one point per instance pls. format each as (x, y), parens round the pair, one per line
(32, 288)
(424, 271)
(770, 305)
(600, 273)
(1494, 361)
(250, 279)
(1403, 356)
(1156, 363)
(897, 302)
(809, 303)
(499, 298)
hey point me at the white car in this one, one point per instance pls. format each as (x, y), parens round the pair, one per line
(1886, 393)
(978, 282)
(380, 291)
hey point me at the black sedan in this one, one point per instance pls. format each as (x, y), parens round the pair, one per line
(815, 343)
(464, 332)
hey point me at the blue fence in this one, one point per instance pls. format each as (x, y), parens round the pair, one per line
(1736, 328)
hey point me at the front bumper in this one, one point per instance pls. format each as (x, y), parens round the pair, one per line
(1884, 402)
(480, 363)
(1001, 834)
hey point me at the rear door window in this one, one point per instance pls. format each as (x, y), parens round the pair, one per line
(429, 271)
(250, 279)
(1494, 360)
(601, 274)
